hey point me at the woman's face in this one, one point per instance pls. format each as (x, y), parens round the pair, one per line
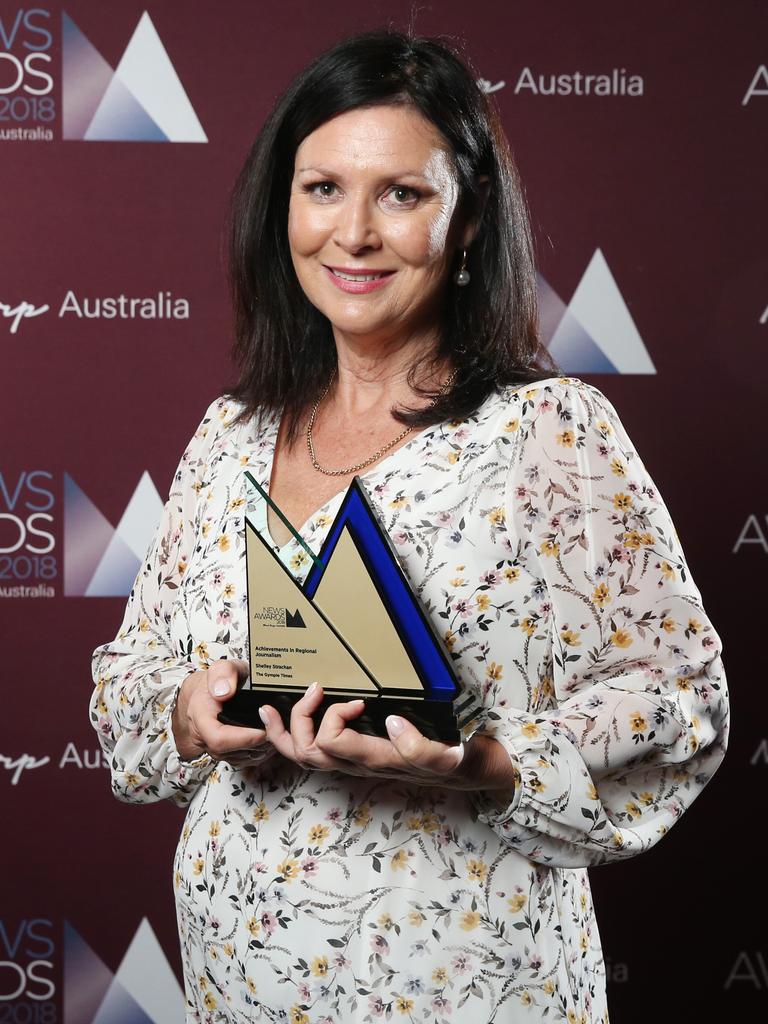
(373, 224)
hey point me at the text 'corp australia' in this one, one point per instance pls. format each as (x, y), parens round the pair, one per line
(163, 305)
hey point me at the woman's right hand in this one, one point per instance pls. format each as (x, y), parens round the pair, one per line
(196, 727)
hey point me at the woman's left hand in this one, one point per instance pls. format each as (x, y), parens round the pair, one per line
(480, 763)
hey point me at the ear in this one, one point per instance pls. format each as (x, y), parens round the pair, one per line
(472, 225)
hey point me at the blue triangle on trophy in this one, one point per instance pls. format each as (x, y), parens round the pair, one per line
(357, 520)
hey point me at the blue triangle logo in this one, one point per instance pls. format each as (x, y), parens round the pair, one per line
(122, 118)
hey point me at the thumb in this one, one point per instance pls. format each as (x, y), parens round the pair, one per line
(224, 678)
(419, 751)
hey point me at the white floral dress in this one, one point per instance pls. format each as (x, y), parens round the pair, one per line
(546, 558)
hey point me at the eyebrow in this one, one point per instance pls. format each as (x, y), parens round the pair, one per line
(332, 174)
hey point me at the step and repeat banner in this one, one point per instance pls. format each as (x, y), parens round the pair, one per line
(640, 133)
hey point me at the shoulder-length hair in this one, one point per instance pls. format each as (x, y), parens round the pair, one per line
(283, 345)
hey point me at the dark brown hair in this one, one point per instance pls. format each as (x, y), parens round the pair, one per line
(283, 345)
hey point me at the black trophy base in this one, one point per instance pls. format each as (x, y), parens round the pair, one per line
(433, 718)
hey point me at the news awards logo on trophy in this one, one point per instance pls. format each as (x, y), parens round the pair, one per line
(594, 332)
(141, 100)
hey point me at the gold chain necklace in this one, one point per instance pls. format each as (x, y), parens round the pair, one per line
(381, 451)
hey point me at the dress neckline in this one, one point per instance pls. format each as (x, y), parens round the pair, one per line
(382, 464)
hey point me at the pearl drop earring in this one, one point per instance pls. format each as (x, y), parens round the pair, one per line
(461, 277)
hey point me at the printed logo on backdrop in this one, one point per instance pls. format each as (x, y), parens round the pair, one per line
(753, 535)
(616, 82)
(140, 100)
(28, 561)
(751, 969)
(594, 332)
(18, 768)
(143, 989)
(163, 305)
(28, 968)
(758, 87)
(27, 106)
(99, 559)
(487, 86)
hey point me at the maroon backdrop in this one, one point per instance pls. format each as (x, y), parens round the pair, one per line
(669, 185)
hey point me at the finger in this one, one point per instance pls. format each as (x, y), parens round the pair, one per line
(224, 677)
(277, 734)
(302, 726)
(305, 750)
(418, 751)
(284, 741)
(336, 739)
(216, 736)
(338, 716)
(308, 753)
(219, 738)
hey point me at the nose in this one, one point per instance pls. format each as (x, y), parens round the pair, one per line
(355, 229)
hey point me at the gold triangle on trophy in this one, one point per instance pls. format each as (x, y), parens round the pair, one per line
(292, 643)
(348, 596)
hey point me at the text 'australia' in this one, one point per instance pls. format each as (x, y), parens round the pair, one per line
(162, 306)
(614, 83)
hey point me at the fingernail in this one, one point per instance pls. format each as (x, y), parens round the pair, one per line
(264, 716)
(394, 725)
(458, 753)
(221, 688)
(310, 689)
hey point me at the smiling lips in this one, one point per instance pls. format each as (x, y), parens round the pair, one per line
(358, 281)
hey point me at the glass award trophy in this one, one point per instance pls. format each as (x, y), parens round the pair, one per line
(354, 625)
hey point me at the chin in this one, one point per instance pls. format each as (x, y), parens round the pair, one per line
(352, 322)
(356, 329)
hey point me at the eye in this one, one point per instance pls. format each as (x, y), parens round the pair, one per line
(321, 189)
(402, 196)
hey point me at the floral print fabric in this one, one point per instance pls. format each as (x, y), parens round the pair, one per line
(546, 558)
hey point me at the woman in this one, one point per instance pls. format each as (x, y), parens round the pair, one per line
(384, 292)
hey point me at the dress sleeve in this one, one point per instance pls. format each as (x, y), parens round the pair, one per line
(634, 718)
(139, 674)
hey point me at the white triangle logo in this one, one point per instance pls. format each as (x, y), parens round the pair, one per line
(595, 332)
(128, 544)
(142, 513)
(599, 307)
(146, 71)
(143, 100)
(147, 976)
